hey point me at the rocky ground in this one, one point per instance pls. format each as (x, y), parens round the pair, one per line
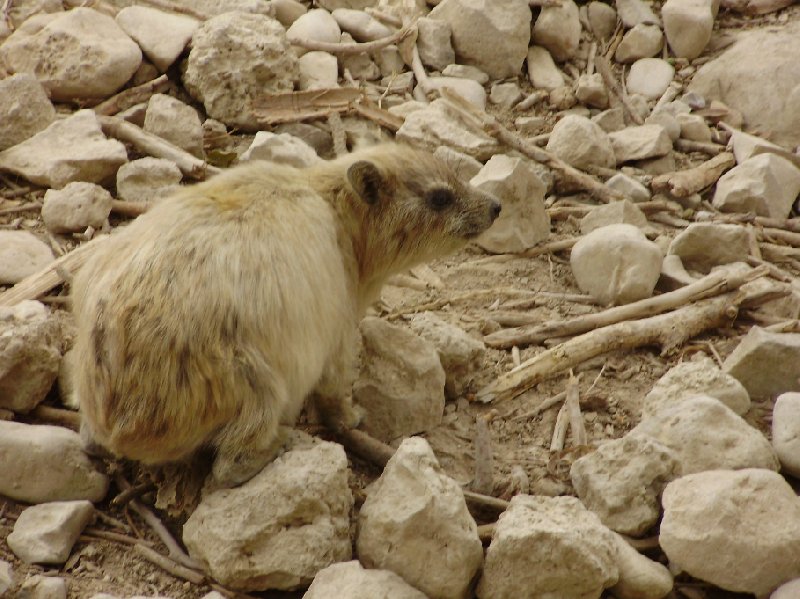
(598, 398)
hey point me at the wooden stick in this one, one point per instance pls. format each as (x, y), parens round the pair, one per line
(358, 47)
(604, 68)
(132, 96)
(560, 429)
(480, 500)
(710, 285)
(115, 536)
(150, 144)
(688, 145)
(682, 184)
(545, 405)
(131, 209)
(66, 418)
(484, 466)
(572, 403)
(169, 565)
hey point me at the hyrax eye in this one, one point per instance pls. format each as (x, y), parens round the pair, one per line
(440, 198)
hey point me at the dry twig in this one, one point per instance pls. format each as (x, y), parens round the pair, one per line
(169, 565)
(682, 184)
(483, 482)
(131, 96)
(358, 47)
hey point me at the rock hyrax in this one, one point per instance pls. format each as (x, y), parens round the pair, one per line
(210, 318)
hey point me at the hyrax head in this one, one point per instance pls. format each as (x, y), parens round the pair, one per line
(414, 206)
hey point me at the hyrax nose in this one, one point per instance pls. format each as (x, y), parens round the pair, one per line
(494, 209)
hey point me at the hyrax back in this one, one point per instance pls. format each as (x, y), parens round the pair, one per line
(209, 319)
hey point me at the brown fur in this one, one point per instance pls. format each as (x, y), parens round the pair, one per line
(209, 319)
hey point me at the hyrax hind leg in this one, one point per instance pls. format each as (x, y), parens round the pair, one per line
(332, 400)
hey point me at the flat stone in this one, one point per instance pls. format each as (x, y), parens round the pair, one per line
(349, 580)
(629, 187)
(401, 383)
(666, 120)
(21, 255)
(505, 94)
(362, 26)
(746, 146)
(702, 246)
(694, 127)
(766, 363)
(147, 179)
(470, 90)
(176, 122)
(433, 42)
(766, 184)
(280, 528)
(610, 120)
(75, 207)
(415, 523)
(786, 432)
(45, 534)
(548, 547)
(466, 167)
(602, 19)
(650, 77)
(642, 41)
(688, 25)
(581, 143)
(738, 530)
(523, 221)
(25, 109)
(318, 70)
(558, 29)
(80, 54)
(465, 71)
(615, 213)
(162, 36)
(43, 587)
(281, 148)
(637, 143)
(542, 70)
(72, 149)
(700, 376)
(591, 91)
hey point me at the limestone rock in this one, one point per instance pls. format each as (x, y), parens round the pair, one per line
(639, 577)
(319, 139)
(616, 264)
(349, 580)
(622, 481)
(688, 25)
(643, 41)
(630, 187)
(702, 246)
(288, 11)
(7, 581)
(766, 184)
(523, 221)
(255, 47)
(459, 353)
(788, 590)
(472, 91)
(766, 363)
(401, 384)
(548, 547)
(602, 19)
(72, 149)
(637, 143)
(317, 70)
(505, 94)
(694, 127)
(79, 54)
(558, 29)
(248, 543)
(615, 213)
(45, 534)
(435, 48)
(42, 463)
(505, 22)
(415, 523)
(705, 434)
(358, 4)
(650, 77)
(635, 12)
(21, 255)
(786, 432)
(316, 25)
(466, 167)
(362, 26)
(465, 71)
(581, 143)
(758, 76)
(666, 120)
(610, 120)
(739, 530)
(176, 122)
(281, 148)
(592, 91)
(43, 587)
(746, 146)
(542, 70)
(25, 109)
(147, 179)
(699, 377)
(162, 36)
(19, 12)
(75, 207)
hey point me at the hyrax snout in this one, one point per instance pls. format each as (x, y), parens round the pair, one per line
(211, 318)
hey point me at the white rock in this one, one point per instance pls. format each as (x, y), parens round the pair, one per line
(616, 264)
(766, 363)
(75, 207)
(637, 143)
(523, 221)
(255, 47)
(43, 463)
(318, 70)
(634, 12)
(786, 432)
(288, 11)
(694, 127)
(558, 29)
(610, 120)
(25, 109)
(622, 481)
(789, 590)
(78, 54)
(639, 577)
(699, 377)
(542, 70)
(470, 90)
(643, 41)
(702, 246)
(349, 580)
(248, 543)
(465, 167)
(147, 179)
(765, 184)
(415, 523)
(389, 61)
(505, 94)
(281, 148)
(530, 125)
(602, 19)
(43, 587)
(581, 143)
(592, 91)
(21, 255)
(361, 66)
(436, 125)
(614, 213)
(548, 547)
(630, 187)
(505, 22)
(746, 146)
(176, 122)
(688, 25)
(650, 77)
(72, 149)
(465, 71)
(45, 534)
(433, 42)
(459, 353)
(317, 25)
(162, 36)
(362, 26)
(7, 580)
(705, 435)
(401, 383)
(737, 530)
(666, 120)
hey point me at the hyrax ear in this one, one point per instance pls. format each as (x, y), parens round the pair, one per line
(366, 180)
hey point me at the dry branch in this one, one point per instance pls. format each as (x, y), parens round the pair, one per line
(712, 284)
(573, 406)
(484, 476)
(682, 184)
(688, 145)
(604, 68)
(358, 47)
(273, 109)
(132, 96)
(560, 429)
(130, 209)
(169, 565)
